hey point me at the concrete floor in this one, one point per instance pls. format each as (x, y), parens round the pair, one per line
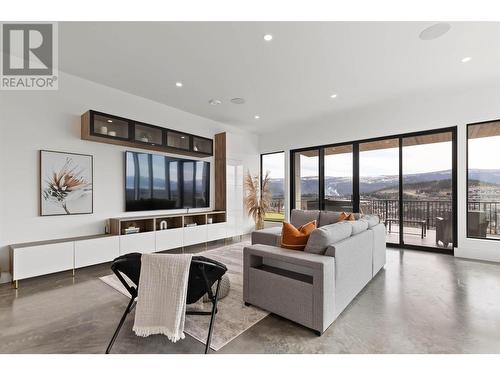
(420, 303)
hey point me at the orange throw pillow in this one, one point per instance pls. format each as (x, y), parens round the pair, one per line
(296, 238)
(345, 216)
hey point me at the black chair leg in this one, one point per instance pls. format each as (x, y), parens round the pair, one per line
(129, 308)
(212, 318)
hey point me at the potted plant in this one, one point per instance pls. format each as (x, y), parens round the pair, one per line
(257, 198)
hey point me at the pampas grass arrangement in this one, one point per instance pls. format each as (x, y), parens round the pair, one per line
(257, 198)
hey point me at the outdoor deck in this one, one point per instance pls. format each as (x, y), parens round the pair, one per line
(412, 236)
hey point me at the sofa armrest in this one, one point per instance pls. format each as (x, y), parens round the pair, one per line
(291, 268)
(299, 258)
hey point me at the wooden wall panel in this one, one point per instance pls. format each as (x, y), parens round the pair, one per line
(220, 171)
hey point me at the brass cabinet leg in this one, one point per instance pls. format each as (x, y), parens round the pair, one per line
(16, 284)
(73, 272)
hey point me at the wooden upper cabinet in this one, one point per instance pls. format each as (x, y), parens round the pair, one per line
(105, 128)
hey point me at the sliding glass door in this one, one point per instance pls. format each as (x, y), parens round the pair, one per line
(428, 194)
(338, 178)
(379, 183)
(306, 180)
(408, 180)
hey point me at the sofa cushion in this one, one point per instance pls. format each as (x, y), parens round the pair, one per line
(331, 217)
(372, 220)
(296, 238)
(328, 217)
(301, 217)
(322, 237)
(268, 236)
(358, 226)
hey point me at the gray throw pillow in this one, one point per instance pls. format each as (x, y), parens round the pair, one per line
(321, 238)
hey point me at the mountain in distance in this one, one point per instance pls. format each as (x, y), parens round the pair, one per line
(341, 186)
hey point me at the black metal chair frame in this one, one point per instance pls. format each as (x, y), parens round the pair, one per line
(201, 264)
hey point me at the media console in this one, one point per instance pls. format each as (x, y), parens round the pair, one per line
(44, 257)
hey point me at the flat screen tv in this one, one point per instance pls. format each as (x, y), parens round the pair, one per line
(157, 182)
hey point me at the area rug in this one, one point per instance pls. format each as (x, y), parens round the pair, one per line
(233, 317)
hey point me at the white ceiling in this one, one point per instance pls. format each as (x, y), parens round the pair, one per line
(286, 81)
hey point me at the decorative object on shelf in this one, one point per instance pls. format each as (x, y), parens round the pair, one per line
(163, 225)
(210, 220)
(257, 200)
(112, 134)
(65, 183)
(131, 230)
(103, 130)
(144, 137)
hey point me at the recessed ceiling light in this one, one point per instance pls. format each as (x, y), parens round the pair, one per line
(110, 120)
(238, 101)
(183, 137)
(268, 37)
(435, 31)
(178, 84)
(333, 96)
(256, 117)
(214, 102)
(466, 59)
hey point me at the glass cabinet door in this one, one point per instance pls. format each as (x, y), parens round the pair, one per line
(108, 126)
(178, 140)
(202, 145)
(148, 134)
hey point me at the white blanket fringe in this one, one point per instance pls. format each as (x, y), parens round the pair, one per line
(161, 304)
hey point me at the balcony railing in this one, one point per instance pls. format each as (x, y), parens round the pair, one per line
(413, 210)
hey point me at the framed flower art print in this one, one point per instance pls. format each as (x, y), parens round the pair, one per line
(66, 183)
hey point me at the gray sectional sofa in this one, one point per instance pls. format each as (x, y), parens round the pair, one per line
(312, 287)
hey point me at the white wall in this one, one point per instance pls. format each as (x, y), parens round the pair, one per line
(403, 115)
(30, 121)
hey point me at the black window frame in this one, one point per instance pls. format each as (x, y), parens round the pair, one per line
(467, 182)
(356, 195)
(262, 177)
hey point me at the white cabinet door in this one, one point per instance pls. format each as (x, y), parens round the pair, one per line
(216, 231)
(41, 260)
(96, 250)
(169, 239)
(138, 243)
(195, 235)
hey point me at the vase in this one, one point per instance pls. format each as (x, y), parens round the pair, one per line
(259, 225)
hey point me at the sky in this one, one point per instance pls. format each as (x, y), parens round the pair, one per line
(274, 163)
(483, 154)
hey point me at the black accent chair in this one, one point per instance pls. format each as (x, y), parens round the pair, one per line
(203, 274)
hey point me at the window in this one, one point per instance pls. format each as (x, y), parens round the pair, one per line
(306, 180)
(379, 183)
(408, 180)
(427, 199)
(483, 180)
(338, 178)
(273, 165)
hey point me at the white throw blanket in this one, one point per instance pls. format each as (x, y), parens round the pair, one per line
(161, 302)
